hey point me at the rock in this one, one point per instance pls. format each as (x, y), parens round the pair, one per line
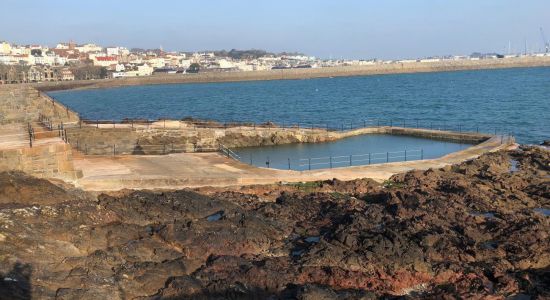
(465, 231)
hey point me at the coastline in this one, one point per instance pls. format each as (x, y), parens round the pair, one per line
(293, 74)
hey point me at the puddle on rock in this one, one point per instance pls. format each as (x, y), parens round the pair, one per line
(544, 211)
(514, 166)
(215, 217)
(312, 239)
(297, 252)
(488, 215)
(489, 245)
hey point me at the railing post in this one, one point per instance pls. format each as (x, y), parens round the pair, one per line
(387, 157)
(350, 162)
(421, 154)
(369, 158)
(309, 160)
(405, 154)
(289, 163)
(330, 161)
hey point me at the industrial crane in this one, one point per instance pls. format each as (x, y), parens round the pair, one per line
(545, 41)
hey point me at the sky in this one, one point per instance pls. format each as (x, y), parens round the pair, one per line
(353, 29)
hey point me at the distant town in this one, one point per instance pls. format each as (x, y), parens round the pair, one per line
(71, 61)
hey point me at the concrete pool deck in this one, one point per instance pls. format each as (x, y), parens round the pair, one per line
(189, 170)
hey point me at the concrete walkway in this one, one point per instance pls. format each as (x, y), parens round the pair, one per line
(103, 173)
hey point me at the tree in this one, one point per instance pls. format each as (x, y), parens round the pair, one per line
(194, 68)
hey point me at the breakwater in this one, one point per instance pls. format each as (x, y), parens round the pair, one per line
(375, 69)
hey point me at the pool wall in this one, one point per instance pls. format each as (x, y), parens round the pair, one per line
(164, 137)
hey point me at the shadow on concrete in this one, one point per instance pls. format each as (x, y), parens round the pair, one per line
(16, 284)
(138, 150)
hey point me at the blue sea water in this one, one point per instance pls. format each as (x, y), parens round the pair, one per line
(509, 101)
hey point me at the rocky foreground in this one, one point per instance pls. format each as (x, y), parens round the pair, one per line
(477, 230)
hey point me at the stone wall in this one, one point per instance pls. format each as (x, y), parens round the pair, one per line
(107, 141)
(45, 161)
(24, 104)
(146, 140)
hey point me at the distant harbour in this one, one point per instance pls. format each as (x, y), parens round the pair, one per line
(306, 73)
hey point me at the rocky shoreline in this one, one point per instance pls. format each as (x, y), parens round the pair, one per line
(479, 229)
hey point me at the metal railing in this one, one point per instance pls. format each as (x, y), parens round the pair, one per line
(229, 153)
(138, 149)
(334, 125)
(350, 160)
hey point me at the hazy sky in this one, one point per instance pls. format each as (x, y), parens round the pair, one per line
(337, 28)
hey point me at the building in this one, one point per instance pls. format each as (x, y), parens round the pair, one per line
(35, 74)
(105, 61)
(64, 74)
(5, 48)
(87, 48)
(143, 70)
(49, 74)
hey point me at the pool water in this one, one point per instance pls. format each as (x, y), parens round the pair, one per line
(352, 151)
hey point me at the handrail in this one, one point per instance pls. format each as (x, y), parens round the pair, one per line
(229, 153)
(333, 125)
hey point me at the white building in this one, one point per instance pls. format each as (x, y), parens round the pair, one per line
(120, 68)
(143, 70)
(87, 48)
(156, 62)
(5, 48)
(112, 51)
(63, 46)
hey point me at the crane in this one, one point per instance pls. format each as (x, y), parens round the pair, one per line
(544, 41)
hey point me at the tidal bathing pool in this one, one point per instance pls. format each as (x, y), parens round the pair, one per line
(354, 151)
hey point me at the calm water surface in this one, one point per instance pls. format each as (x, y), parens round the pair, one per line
(355, 151)
(510, 100)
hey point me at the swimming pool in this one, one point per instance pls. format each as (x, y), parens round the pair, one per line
(353, 151)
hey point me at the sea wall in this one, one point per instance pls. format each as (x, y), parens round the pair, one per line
(379, 68)
(45, 161)
(150, 140)
(24, 104)
(107, 141)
